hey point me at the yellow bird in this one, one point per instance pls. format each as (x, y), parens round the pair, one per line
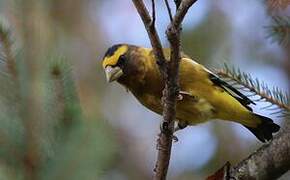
(204, 95)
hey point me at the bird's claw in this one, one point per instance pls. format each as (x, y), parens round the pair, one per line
(174, 138)
(164, 129)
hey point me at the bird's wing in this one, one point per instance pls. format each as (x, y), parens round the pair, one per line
(244, 100)
(203, 73)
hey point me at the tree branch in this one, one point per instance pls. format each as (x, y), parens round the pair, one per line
(153, 13)
(151, 31)
(177, 3)
(171, 90)
(169, 71)
(181, 11)
(268, 162)
(169, 10)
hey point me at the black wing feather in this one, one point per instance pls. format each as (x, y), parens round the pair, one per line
(244, 100)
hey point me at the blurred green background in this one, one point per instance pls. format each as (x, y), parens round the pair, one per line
(59, 119)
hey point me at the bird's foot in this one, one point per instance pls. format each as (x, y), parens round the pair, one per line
(180, 125)
(174, 138)
(164, 128)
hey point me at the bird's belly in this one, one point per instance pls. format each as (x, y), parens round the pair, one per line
(194, 112)
(187, 110)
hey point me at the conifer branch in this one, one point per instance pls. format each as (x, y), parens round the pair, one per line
(7, 53)
(64, 90)
(277, 5)
(279, 100)
(56, 73)
(279, 31)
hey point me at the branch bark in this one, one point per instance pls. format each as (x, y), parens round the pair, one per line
(169, 71)
(268, 162)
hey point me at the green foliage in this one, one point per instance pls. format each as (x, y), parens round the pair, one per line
(11, 128)
(279, 31)
(69, 145)
(4, 30)
(85, 154)
(81, 147)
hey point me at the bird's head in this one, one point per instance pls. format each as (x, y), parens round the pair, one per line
(114, 61)
(124, 63)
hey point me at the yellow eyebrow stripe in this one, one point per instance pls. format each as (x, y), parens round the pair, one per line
(113, 60)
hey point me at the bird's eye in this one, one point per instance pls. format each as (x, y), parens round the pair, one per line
(121, 60)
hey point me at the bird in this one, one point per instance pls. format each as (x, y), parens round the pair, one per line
(204, 96)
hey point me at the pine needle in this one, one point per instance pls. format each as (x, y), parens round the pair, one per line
(279, 31)
(7, 54)
(277, 5)
(277, 99)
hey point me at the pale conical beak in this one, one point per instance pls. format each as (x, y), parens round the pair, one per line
(113, 73)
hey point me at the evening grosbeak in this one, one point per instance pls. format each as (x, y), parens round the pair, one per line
(204, 95)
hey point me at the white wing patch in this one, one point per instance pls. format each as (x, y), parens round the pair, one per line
(205, 108)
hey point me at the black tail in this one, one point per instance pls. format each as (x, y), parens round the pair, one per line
(264, 130)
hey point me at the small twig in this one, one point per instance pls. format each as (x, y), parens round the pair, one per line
(152, 33)
(153, 13)
(177, 3)
(182, 10)
(169, 10)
